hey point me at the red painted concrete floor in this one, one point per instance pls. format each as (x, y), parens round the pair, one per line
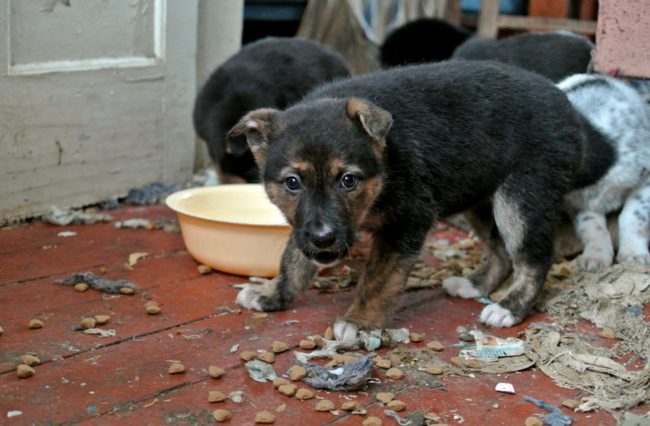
(92, 380)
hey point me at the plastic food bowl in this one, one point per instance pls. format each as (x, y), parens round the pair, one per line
(232, 228)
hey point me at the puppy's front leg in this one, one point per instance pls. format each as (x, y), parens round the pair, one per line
(296, 272)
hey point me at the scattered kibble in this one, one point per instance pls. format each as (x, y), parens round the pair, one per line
(2, 330)
(396, 405)
(215, 372)
(320, 343)
(304, 394)
(203, 269)
(265, 417)
(607, 333)
(176, 368)
(435, 345)
(279, 347)
(24, 371)
(288, 390)
(460, 362)
(279, 381)
(297, 372)
(534, 421)
(329, 333)
(81, 287)
(416, 337)
(30, 360)
(307, 344)
(127, 290)
(216, 396)
(394, 373)
(33, 324)
(325, 405)
(382, 362)
(571, 403)
(87, 323)
(102, 319)
(266, 357)
(152, 307)
(385, 397)
(433, 369)
(372, 421)
(350, 406)
(248, 355)
(221, 415)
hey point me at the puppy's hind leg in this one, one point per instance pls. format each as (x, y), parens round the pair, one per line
(598, 252)
(497, 268)
(296, 272)
(634, 223)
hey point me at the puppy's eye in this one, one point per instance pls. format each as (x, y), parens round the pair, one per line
(348, 182)
(292, 183)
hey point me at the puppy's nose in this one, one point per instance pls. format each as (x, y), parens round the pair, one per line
(322, 236)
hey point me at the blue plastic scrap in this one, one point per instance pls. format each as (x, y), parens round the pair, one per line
(348, 377)
(555, 418)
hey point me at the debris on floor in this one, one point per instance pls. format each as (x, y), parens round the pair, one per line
(555, 417)
(260, 371)
(490, 348)
(64, 217)
(348, 377)
(153, 193)
(98, 283)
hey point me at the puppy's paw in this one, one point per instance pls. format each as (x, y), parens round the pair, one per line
(250, 298)
(594, 261)
(496, 315)
(461, 287)
(345, 331)
(631, 256)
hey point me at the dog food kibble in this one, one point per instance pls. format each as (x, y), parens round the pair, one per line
(127, 290)
(372, 421)
(265, 417)
(396, 405)
(462, 362)
(382, 362)
(416, 337)
(350, 406)
(433, 369)
(30, 360)
(325, 405)
(394, 373)
(266, 357)
(329, 334)
(304, 394)
(176, 368)
(307, 345)
(81, 287)
(33, 324)
(248, 355)
(319, 342)
(568, 403)
(288, 390)
(24, 371)
(221, 415)
(297, 372)
(102, 319)
(279, 347)
(204, 269)
(607, 333)
(1, 331)
(279, 381)
(87, 323)
(215, 372)
(216, 396)
(152, 308)
(435, 345)
(533, 421)
(385, 397)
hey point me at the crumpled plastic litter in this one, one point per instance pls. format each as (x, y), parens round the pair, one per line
(348, 377)
(153, 193)
(134, 223)
(555, 418)
(64, 217)
(101, 332)
(400, 421)
(260, 371)
(491, 348)
(98, 283)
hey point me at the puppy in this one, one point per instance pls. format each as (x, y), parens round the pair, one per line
(273, 72)
(390, 153)
(554, 55)
(619, 116)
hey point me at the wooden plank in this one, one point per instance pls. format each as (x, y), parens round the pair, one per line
(546, 24)
(548, 8)
(488, 19)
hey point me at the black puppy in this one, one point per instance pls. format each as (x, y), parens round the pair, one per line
(554, 55)
(273, 72)
(392, 152)
(422, 40)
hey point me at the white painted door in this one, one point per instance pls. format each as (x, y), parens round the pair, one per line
(95, 98)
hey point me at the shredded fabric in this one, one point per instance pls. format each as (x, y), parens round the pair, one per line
(555, 418)
(64, 217)
(98, 283)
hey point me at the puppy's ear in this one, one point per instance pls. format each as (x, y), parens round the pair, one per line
(374, 120)
(256, 127)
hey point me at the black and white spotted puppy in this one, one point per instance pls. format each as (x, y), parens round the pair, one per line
(618, 113)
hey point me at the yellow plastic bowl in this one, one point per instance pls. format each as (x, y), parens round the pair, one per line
(232, 228)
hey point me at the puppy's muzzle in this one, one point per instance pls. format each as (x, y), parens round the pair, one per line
(322, 241)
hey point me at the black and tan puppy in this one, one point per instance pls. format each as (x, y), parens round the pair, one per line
(392, 152)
